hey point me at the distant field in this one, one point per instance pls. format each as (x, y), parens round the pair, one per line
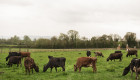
(105, 70)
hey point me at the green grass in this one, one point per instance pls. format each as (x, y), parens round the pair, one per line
(105, 70)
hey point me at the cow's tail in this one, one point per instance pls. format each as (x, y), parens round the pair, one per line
(126, 70)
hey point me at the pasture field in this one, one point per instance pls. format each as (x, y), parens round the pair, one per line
(105, 70)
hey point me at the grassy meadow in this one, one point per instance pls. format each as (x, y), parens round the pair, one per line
(105, 70)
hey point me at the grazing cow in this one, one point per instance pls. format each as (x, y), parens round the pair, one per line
(30, 64)
(12, 54)
(14, 60)
(134, 66)
(99, 54)
(114, 56)
(25, 54)
(55, 62)
(86, 62)
(88, 54)
(132, 52)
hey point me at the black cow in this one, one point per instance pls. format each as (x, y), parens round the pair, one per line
(55, 62)
(132, 52)
(14, 60)
(12, 54)
(114, 56)
(88, 54)
(134, 66)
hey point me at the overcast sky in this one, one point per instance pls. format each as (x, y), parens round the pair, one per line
(52, 17)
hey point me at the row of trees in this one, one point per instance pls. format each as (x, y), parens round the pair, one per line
(73, 40)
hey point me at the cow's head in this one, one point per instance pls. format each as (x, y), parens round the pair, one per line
(50, 57)
(75, 68)
(126, 70)
(37, 69)
(108, 59)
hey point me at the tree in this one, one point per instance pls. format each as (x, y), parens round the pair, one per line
(130, 39)
(73, 36)
(14, 40)
(65, 40)
(27, 41)
(53, 42)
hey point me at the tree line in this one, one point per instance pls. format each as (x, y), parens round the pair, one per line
(73, 40)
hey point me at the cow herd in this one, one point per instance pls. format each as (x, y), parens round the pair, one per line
(54, 62)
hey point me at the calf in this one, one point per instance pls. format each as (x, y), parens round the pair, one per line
(14, 60)
(134, 66)
(132, 52)
(99, 54)
(114, 56)
(12, 54)
(30, 64)
(55, 62)
(86, 62)
(88, 54)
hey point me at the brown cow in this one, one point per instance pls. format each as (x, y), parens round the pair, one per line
(25, 54)
(99, 54)
(86, 62)
(30, 64)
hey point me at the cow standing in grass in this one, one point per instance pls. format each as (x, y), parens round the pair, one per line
(14, 60)
(134, 66)
(30, 64)
(99, 54)
(88, 54)
(86, 62)
(12, 54)
(132, 52)
(55, 62)
(114, 56)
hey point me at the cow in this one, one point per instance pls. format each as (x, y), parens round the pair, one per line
(14, 60)
(86, 62)
(88, 53)
(55, 62)
(99, 54)
(25, 54)
(30, 64)
(114, 56)
(132, 52)
(134, 66)
(12, 54)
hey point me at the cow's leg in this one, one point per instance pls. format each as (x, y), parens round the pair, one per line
(32, 70)
(136, 76)
(17, 65)
(120, 59)
(131, 73)
(63, 67)
(94, 67)
(26, 70)
(29, 70)
(56, 69)
(79, 69)
(20, 63)
(51, 69)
